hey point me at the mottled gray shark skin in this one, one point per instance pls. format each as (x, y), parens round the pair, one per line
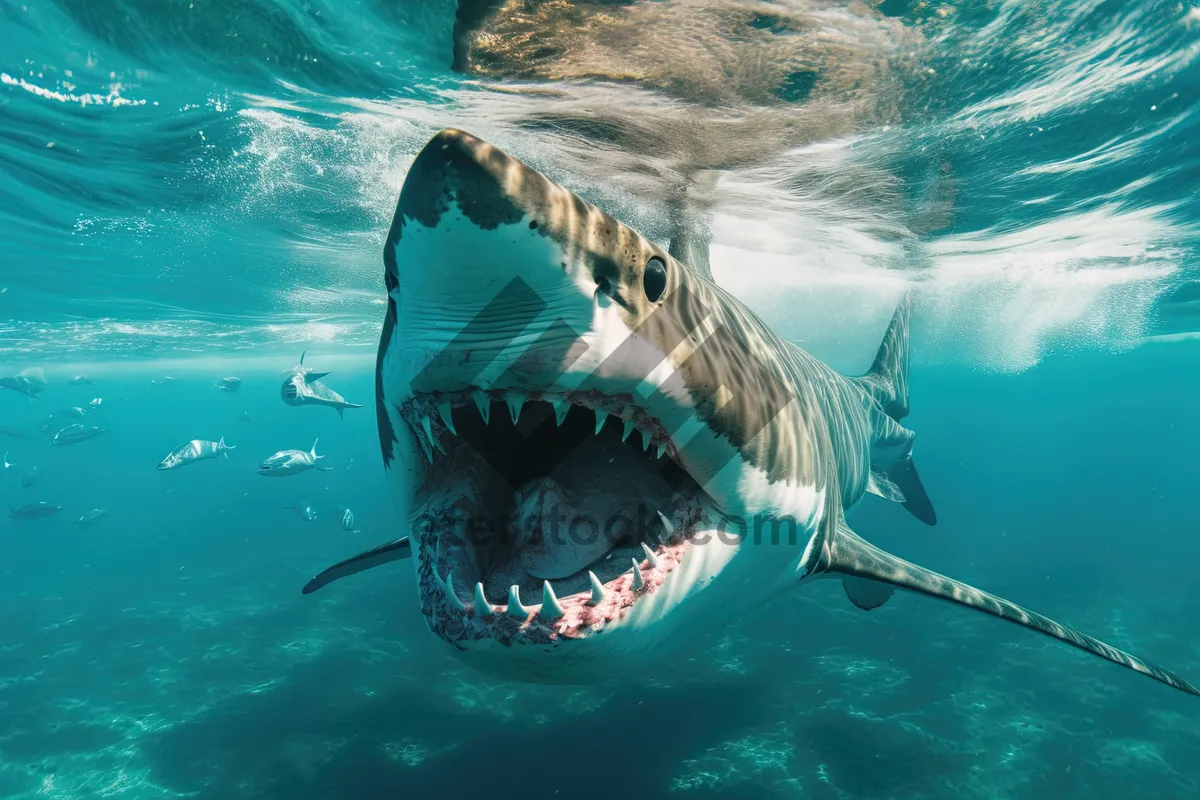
(541, 362)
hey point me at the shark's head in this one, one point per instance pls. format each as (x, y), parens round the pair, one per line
(582, 430)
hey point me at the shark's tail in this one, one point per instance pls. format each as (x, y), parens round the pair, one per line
(317, 458)
(342, 408)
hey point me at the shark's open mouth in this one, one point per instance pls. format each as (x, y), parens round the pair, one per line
(544, 515)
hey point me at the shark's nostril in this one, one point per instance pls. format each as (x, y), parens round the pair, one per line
(603, 284)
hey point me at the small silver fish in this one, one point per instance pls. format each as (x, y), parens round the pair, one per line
(34, 511)
(307, 512)
(76, 413)
(229, 384)
(76, 433)
(30, 381)
(291, 462)
(30, 478)
(92, 517)
(95, 403)
(14, 432)
(195, 450)
(7, 463)
(304, 388)
(81, 380)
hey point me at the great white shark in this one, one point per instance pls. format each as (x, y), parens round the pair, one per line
(544, 371)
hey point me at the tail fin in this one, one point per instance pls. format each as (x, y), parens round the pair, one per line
(841, 553)
(342, 408)
(313, 451)
(887, 379)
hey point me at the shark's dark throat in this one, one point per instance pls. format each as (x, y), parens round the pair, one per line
(570, 489)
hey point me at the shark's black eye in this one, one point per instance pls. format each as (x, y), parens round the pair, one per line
(654, 279)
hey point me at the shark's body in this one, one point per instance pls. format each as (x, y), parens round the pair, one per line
(304, 388)
(541, 361)
(193, 451)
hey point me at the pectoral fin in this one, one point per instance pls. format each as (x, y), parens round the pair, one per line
(880, 485)
(842, 553)
(383, 554)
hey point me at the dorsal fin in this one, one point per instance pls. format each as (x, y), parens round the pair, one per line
(887, 380)
(689, 238)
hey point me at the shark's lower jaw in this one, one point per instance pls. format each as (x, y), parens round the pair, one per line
(546, 518)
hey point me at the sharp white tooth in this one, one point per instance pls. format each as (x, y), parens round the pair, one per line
(651, 559)
(628, 429)
(667, 525)
(444, 413)
(453, 595)
(601, 418)
(561, 408)
(425, 447)
(515, 609)
(551, 609)
(597, 590)
(662, 448)
(481, 601)
(638, 583)
(645, 439)
(484, 404)
(515, 401)
(425, 427)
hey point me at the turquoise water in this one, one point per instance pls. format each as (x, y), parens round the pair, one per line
(214, 202)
